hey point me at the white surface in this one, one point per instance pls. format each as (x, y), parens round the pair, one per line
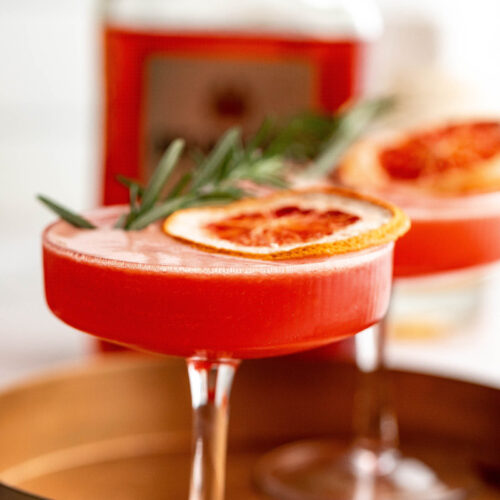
(31, 338)
(48, 143)
(46, 137)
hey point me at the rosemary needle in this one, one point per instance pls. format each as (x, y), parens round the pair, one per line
(66, 214)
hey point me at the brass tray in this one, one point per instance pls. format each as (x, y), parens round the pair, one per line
(119, 426)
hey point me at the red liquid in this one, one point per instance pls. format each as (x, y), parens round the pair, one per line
(439, 246)
(448, 234)
(334, 66)
(182, 301)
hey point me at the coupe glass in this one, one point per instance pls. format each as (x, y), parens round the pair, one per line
(153, 293)
(447, 235)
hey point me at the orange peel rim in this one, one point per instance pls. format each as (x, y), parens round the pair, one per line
(398, 225)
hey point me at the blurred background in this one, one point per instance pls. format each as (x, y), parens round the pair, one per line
(442, 53)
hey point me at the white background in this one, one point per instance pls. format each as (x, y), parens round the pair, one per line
(49, 143)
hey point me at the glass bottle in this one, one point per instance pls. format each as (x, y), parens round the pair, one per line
(192, 68)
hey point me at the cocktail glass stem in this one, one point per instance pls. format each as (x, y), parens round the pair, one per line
(375, 423)
(372, 468)
(210, 383)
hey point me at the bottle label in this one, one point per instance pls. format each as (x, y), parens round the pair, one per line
(198, 99)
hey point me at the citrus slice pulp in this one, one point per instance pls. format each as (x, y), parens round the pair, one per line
(452, 159)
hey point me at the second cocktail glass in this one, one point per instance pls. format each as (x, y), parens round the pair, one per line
(450, 232)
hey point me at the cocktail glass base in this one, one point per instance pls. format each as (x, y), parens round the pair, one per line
(322, 470)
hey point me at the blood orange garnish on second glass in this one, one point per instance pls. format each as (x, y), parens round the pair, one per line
(457, 146)
(460, 158)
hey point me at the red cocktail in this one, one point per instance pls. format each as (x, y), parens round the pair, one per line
(449, 234)
(448, 181)
(323, 273)
(150, 291)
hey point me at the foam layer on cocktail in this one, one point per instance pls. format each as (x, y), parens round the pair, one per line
(144, 289)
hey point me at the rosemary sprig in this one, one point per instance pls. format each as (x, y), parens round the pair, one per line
(161, 175)
(218, 177)
(66, 214)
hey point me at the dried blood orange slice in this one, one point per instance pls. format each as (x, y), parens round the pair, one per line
(290, 224)
(453, 159)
